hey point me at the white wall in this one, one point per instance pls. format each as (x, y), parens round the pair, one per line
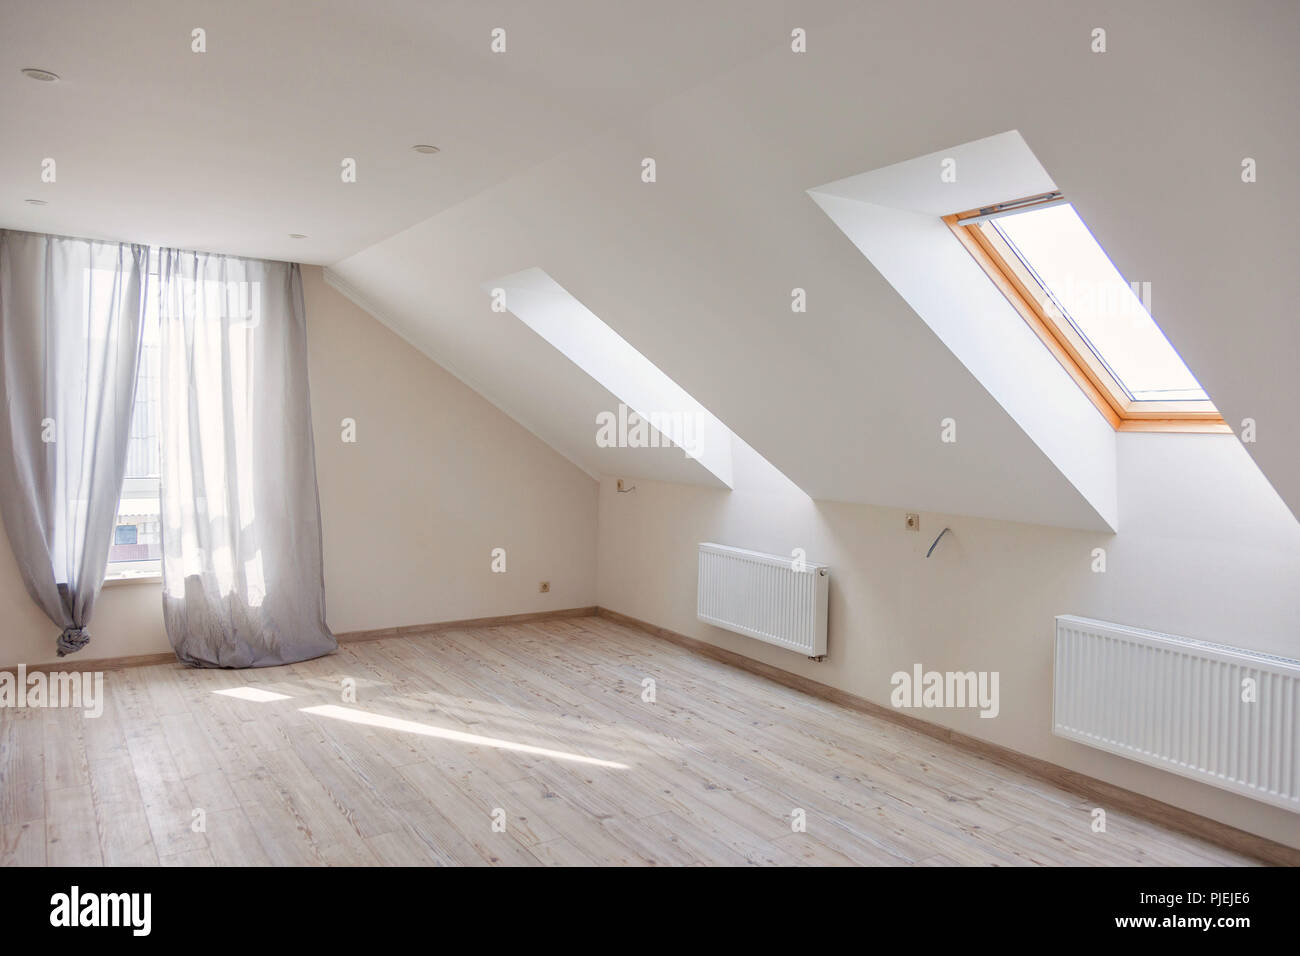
(1206, 549)
(437, 478)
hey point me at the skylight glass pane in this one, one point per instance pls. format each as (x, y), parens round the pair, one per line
(1058, 248)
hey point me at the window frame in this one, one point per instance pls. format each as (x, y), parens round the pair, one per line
(1000, 263)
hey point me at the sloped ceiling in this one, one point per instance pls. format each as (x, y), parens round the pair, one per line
(541, 389)
(894, 216)
(846, 399)
(696, 269)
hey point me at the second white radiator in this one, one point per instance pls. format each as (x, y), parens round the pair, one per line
(1222, 715)
(778, 600)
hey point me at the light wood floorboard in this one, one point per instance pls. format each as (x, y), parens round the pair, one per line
(523, 744)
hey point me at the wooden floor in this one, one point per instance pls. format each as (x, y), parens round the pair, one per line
(175, 773)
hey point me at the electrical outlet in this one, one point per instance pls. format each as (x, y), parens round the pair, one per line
(544, 587)
(913, 522)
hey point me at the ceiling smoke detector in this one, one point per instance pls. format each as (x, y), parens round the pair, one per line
(45, 76)
(424, 148)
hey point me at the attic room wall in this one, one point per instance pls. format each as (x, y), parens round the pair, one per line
(1206, 549)
(436, 479)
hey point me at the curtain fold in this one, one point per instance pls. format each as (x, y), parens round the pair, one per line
(71, 320)
(243, 575)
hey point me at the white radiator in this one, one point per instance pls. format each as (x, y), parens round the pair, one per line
(1178, 704)
(765, 596)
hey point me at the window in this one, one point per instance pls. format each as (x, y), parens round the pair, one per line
(1048, 265)
(136, 549)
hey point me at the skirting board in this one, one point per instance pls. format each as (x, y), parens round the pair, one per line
(79, 664)
(412, 630)
(1107, 794)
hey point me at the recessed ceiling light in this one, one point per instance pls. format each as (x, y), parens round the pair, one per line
(424, 148)
(296, 235)
(45, 76)
(35, 202)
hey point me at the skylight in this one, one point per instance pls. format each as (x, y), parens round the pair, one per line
(1051, 268)
(1058, 249)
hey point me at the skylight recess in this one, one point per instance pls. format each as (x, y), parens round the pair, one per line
(1051, 268)
(669, 410)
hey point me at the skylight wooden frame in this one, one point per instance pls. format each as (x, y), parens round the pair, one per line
(1022, 290)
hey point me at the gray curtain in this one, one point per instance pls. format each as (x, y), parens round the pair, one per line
(71, 316)
(243, 578)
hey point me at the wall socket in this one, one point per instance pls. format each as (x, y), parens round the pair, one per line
(544, 587)
(913, 521)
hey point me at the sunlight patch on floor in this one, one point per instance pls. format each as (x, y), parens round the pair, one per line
(428, 730)
(252, 693)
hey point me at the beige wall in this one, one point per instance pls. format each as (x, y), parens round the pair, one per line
(438, 477)
(1205, 549)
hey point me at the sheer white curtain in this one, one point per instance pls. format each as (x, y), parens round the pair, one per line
(243, 581)
(71, 315)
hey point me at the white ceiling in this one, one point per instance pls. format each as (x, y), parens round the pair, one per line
(233, 149)
(541, 168)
